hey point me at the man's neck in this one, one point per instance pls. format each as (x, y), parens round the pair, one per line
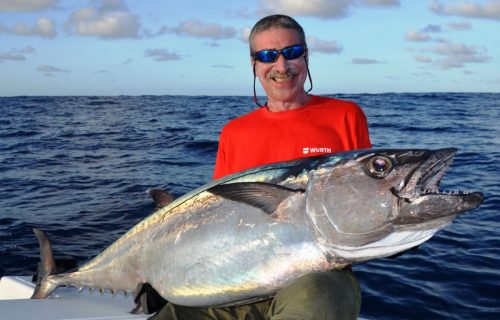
(279, 106)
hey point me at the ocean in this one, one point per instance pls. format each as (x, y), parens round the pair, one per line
(78, 167)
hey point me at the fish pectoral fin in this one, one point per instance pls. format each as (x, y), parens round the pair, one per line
(160, 197)
(262, 195)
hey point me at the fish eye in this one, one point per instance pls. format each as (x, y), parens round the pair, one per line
(379, 166)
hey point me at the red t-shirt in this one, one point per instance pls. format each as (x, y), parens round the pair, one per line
(261, 137)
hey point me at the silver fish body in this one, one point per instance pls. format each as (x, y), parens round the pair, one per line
(244, 237)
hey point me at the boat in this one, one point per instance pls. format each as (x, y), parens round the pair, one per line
(65, 303)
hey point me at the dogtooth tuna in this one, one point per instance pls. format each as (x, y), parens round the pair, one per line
(243, 237)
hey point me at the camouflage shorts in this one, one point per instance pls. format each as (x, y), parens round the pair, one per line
(320, 295)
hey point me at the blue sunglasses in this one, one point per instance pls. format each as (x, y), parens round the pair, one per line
(271, 55)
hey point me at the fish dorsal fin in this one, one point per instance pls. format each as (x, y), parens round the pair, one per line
(161, 198)
(262, 195)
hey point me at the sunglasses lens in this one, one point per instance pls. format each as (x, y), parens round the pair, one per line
(271, 55)
(293, 52)
(266, 55)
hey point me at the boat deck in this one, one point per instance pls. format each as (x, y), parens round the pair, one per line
(67, 303)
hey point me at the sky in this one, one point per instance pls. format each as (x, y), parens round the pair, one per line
(200, 47)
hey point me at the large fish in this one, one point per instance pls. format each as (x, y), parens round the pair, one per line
(244, 237)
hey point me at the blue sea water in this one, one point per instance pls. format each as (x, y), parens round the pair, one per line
(78, 168)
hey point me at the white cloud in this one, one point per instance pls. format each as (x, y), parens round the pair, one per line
(200, 29)
(213, 44)
(16, 54)
(43, 27)
(365, 61)
(111, 5)
(457, 55)
(318, 8)
(27, 50)
(245, 33)
(464, 25)
(326, 9)
(432, 28)
(162, 55)
(382, 3)
(489, 10)
(423, 59)
(424, 74)
(48, 70)
(323, 46)
(110, 20)
(11, 57)
(243, 13)
(423, 34)
(222, 66)
(26, 5)
(417, 36)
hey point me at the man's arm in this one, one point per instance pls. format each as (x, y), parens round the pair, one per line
(220, 169)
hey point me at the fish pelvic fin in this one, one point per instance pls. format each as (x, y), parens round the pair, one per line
(161, 198)
(44, 286)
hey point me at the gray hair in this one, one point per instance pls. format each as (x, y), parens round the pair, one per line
(276, 21)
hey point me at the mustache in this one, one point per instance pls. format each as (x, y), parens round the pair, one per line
(288, 74)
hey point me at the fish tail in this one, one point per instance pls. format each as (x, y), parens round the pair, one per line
(44, 286)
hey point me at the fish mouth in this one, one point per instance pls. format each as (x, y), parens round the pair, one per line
(425, 178)
(419, 197)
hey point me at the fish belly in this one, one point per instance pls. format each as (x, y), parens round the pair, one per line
(229, 254)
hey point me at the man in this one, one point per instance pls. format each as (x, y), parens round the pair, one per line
(292, 124)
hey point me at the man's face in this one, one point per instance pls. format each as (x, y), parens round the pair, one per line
(283, 80)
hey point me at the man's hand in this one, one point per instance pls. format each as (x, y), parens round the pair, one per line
(147, 299)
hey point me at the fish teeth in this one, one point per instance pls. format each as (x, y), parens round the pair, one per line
(401, 185)
(430, 190)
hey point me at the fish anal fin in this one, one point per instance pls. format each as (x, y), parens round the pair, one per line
(262, 195)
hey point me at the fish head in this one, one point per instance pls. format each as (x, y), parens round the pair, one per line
(381, 202)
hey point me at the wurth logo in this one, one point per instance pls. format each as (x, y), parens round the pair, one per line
(310, 150)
